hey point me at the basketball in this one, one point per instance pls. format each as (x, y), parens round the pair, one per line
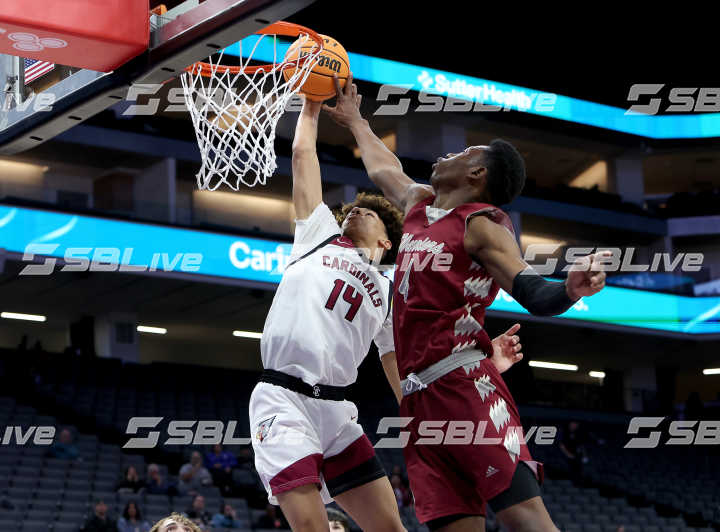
(319, 85)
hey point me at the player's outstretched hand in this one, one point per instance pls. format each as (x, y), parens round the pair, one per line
(507, 349)
(347, 106)
(310, 107)
(586, 277)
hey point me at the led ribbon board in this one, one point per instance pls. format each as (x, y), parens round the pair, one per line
(142, 246)
(155, 247)
(637, 308)
(483, 91)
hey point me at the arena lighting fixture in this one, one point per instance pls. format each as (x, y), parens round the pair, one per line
(20, 169)
(597, 374)
(247, 334)
(153, 330)
(18, 316)
(711, 371)
(552, 365)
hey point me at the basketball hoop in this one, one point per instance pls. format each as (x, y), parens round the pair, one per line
(235, 109)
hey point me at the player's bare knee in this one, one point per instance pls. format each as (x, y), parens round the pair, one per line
(529, 525)
(309, 523)
(386, 525)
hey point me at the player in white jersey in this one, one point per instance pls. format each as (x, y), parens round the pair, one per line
(331, 303)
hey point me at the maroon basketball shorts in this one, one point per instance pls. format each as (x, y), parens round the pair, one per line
(465, 443)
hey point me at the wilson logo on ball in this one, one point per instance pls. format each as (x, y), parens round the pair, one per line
(330, 63)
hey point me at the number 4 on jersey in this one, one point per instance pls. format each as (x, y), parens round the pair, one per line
(405, 284)
(350, 295)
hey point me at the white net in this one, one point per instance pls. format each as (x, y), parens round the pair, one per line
(235, 113)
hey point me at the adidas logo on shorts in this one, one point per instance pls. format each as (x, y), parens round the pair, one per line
(491, 471)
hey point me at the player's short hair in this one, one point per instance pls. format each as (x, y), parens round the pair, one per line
(179, 518)
(340, 517)
(390, 215)
(506, 172)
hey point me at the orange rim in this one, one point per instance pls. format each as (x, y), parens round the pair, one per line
(287, 29)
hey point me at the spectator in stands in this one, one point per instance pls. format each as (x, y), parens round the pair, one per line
(572, 445)
(338, 521)
(130, 483)
(175, 523)
(64, 447)
(99, 521)
(398, 470)
(402, 494)
(155, 483)
(245, 457)
(226, 518)
(131, 520)
(220, 464)
(193, 475)
(272, 518)
(198, 513)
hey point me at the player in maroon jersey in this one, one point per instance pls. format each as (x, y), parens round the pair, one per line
(457, 250)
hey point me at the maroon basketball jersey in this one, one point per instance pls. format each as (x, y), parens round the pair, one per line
(440, 293)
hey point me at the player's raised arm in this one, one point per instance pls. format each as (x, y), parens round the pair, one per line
(307, 188)
(382, 165)
(496, 249)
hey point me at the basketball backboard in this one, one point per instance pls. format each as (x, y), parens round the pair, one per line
(33, 112)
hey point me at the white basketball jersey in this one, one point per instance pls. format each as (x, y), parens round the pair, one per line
(328, 308)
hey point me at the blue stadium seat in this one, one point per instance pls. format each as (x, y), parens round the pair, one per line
(53, 483)
(9, 524)
(43, 514)
(36, 526)
(68, 516)
(44, 505)
(104, 484)
(155, 499)
(25, 482)
(76, 500)
(66, 526)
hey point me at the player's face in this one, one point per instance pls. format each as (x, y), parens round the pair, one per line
(362, 221)
(170, 525)
(365, 225)
(336, 526)
(452, 168)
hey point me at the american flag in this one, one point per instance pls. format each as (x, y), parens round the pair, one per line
(34, 69)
